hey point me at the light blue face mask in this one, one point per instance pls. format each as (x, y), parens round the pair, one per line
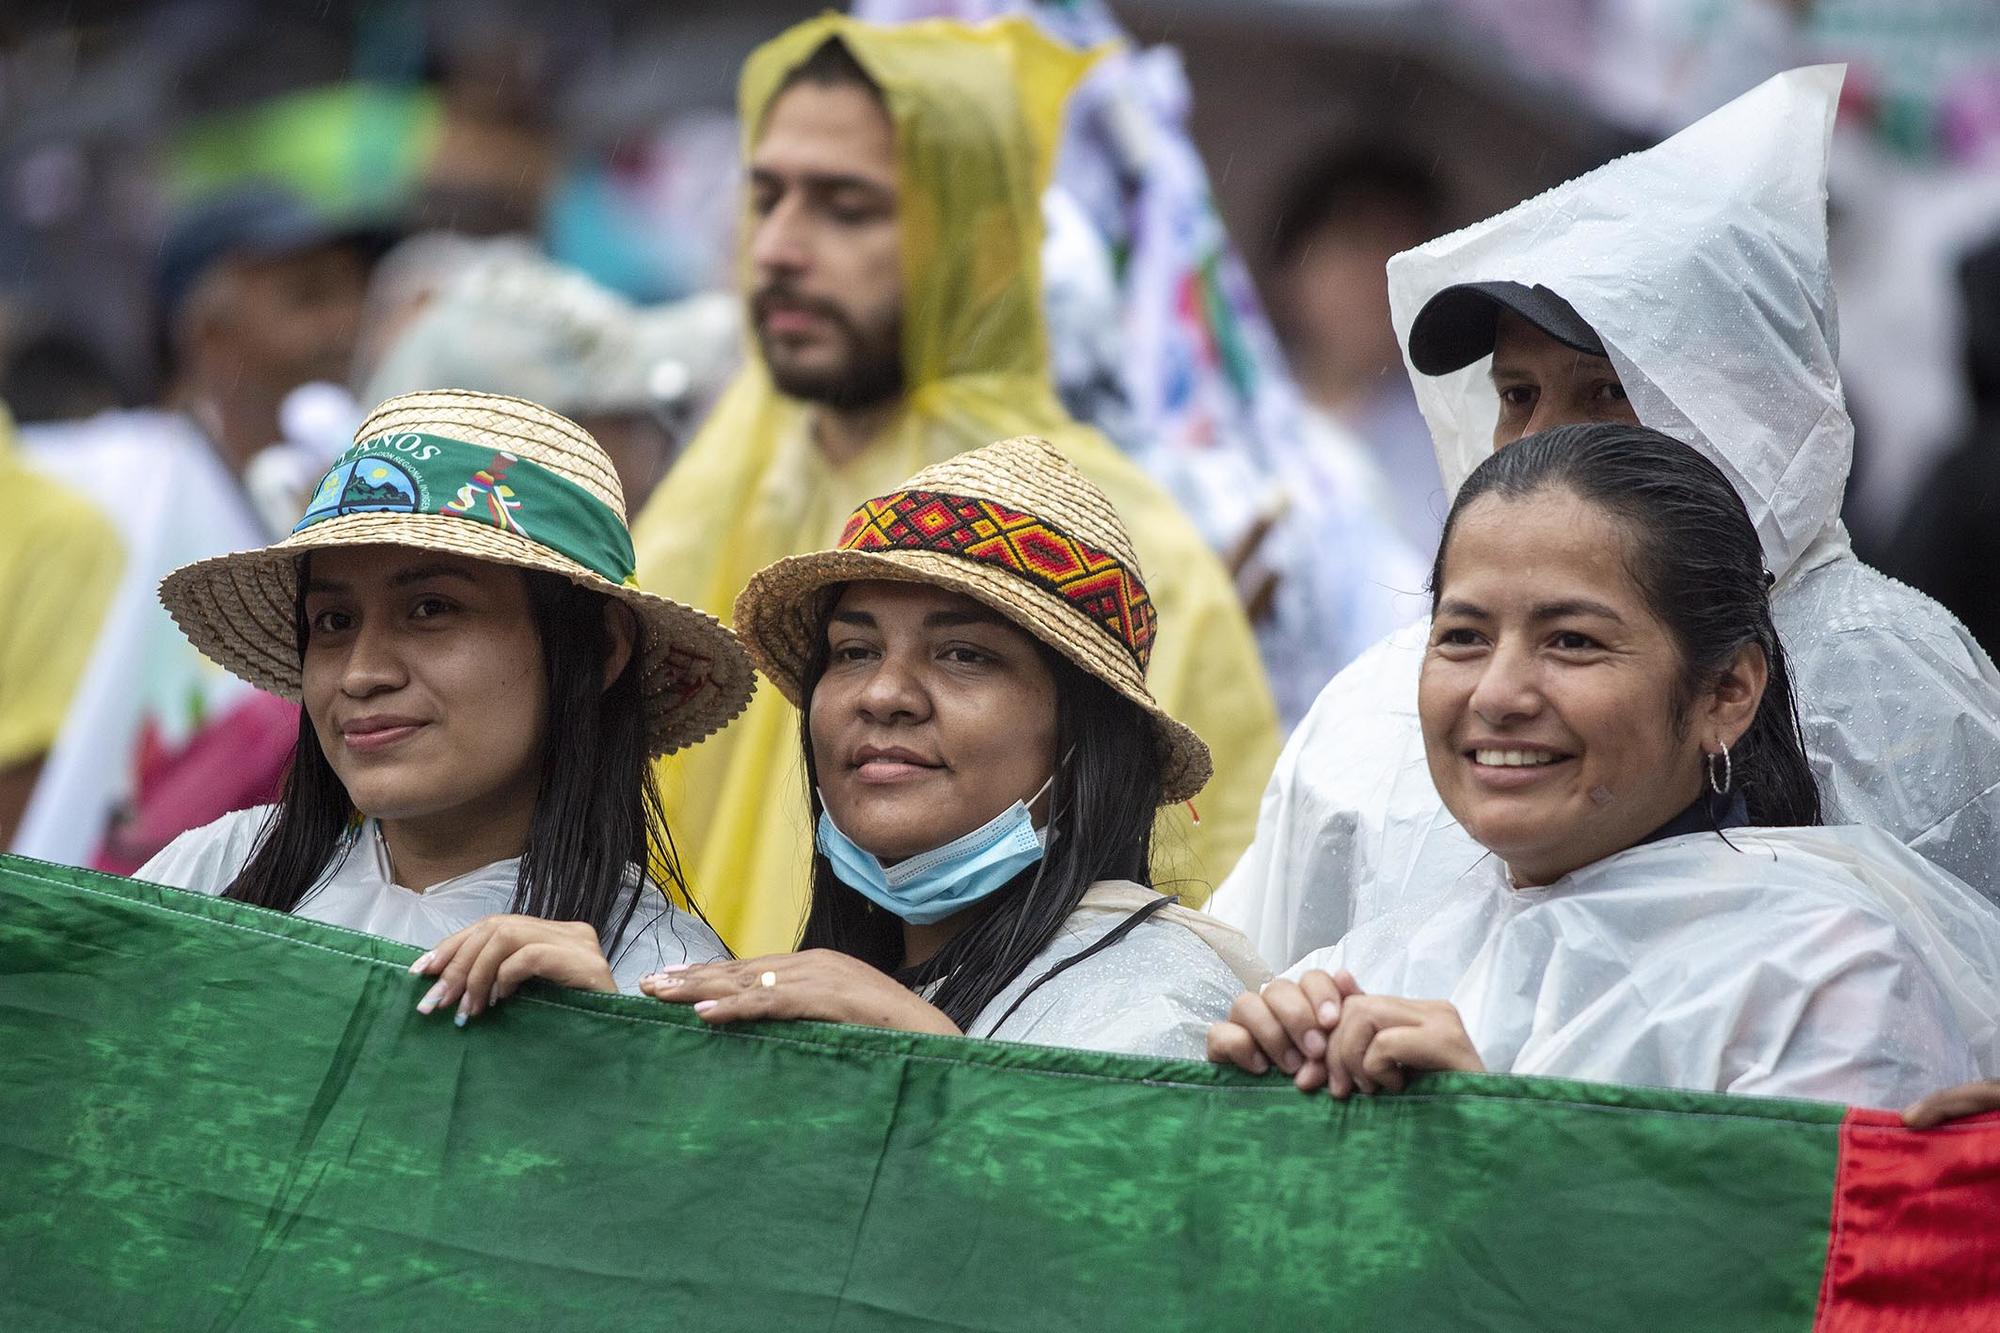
(934, 884)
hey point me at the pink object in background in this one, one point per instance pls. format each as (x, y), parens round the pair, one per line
(235, 761)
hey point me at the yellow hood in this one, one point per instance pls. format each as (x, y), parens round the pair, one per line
(977, 112)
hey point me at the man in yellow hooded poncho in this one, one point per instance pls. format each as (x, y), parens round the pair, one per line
(891, 253)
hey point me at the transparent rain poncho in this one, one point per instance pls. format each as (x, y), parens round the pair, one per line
(977, 112)
(1831, 963)
(1702, 265)
(1155, 992)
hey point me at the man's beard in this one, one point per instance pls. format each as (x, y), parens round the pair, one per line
(870, 374)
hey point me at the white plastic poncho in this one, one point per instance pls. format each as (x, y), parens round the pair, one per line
(1816, 962)
(1155, 992)
(362, 895)
(1702, 265)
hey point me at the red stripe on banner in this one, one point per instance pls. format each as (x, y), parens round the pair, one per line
(1915, 1240)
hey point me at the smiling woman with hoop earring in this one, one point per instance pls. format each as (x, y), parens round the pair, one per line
(1606, 708)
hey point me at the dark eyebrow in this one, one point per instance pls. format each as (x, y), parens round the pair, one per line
(1575, 606)
(402, 578)
(861, 618)
(824, 181)
(953, 619)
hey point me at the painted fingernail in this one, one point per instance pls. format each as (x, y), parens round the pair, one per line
(423, 961)
(431, 998)
(1329, 1012)
(703, 1006)
(464, 1011)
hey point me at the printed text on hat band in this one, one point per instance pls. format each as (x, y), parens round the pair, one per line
(408, 472)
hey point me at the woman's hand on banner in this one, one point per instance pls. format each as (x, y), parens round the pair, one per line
(1285, 1024)
(488, 960)
(817, 984)
(1965, 1099)
(1382, 1039)
(1326, 1032)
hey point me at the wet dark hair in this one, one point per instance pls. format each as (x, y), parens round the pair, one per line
(1694, 555)
(1101, 811)
(831, 65)
(597, 810)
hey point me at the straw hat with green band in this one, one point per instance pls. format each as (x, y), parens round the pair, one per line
(1013, 525)
(485, 477)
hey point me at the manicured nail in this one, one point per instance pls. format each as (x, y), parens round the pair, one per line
(1329, 1012)
(423, 961)
(672, 968)
(703, 1006)
(431, 998)
(464, 1011)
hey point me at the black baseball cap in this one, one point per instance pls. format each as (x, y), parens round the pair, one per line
(260, 220)
(1458, 325)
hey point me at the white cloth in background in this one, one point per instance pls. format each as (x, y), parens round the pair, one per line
(361, 895)
(1702, 265)
(1830, 963)
(155, 476)
(1154, 992)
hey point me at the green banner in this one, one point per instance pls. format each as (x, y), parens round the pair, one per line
(218, 1117)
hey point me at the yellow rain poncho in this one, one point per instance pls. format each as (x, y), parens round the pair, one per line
(977, 112)
(59, 561)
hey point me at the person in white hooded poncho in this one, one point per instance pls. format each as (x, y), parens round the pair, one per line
(1607, 710)
(1700, 266)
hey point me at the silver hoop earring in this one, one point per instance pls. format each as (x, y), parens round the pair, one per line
(1720, 786)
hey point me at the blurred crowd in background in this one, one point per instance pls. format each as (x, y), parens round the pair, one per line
(229, 228)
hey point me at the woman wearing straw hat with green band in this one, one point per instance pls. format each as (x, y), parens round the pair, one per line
(985, 763)
(484, 689)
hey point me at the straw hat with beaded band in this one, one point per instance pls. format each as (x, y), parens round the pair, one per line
(1013, 525)
(485, 477)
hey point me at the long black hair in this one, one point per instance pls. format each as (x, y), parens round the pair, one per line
(597, 810)
(1101, 810)
(1693, 552)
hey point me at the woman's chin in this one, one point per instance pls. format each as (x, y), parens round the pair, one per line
(389, 802)
(1517, 840)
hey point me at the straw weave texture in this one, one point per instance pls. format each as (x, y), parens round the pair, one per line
(241, 609)
(783, 609)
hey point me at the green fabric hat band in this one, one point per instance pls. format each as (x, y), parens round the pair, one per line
(411, 473)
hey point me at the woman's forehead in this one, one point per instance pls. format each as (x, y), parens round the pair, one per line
(915, 600)
(374, 565)
(1509, 548)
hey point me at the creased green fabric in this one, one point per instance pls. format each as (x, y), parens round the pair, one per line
(217, 1117)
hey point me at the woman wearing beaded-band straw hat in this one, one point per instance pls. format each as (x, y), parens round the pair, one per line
(484, 689)
(984, 762)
